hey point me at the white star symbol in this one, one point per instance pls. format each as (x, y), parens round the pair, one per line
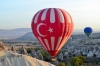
(50, 29)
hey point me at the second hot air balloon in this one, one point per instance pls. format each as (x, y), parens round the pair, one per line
(52, 27)
(88, 31)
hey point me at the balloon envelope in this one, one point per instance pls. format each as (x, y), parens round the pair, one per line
(88, 31)
(52, 27)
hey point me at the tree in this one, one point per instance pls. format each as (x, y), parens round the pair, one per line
(82, 58)
(29, 50)
(43, 52)
(68, 64)
(61, 64)
(45, 55)
(77, 61)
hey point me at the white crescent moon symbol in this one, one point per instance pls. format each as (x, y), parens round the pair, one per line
(38, 26)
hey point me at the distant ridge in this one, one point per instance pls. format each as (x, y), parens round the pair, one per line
(19, 32)
(13, 33)
(27, 37)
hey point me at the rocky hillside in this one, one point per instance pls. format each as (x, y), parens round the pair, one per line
(27, 37)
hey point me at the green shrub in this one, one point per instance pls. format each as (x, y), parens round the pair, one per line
(61, 64)
(29, 50)
(43, 53)
(68, 64)
(77, 61)
(82, 58)
(36, 49)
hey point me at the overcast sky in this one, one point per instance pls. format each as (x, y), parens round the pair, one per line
(19, 13)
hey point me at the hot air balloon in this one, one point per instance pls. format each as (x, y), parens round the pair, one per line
(52, 27)
(88, 31)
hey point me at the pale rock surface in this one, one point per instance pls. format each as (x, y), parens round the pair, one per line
(34, 54)
(8, 58)
(60, 57)
(39, 55)
(23, 51)
(90, 54)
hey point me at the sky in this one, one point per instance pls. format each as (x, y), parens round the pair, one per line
(19, 13)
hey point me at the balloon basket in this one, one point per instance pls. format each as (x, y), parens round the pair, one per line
(53, 59)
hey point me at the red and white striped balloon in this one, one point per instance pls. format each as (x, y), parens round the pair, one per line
(52, 27)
